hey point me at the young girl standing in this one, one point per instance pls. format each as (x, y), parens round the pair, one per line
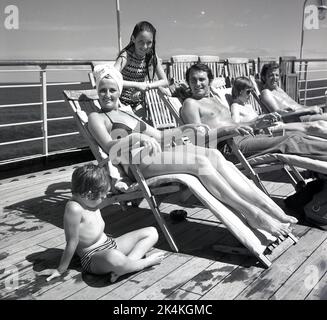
(139, 64)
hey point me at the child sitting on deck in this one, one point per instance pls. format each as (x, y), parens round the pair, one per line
(84, 230)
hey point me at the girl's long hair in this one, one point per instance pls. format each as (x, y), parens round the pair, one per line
(150, 56)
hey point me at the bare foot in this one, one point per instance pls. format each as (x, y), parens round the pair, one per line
(279, 214)
(156, 258)
(267, 223)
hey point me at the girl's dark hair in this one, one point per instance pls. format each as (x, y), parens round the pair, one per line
(268, 67)
(151, 57)
(90, 179)
(240, 83)
(199, 67)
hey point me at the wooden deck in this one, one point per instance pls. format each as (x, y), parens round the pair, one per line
(32, 239)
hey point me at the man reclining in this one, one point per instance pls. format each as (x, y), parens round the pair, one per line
(201, 108)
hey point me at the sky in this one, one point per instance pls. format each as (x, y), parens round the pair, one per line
(84, 29)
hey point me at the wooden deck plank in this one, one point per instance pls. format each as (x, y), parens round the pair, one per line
(174, 280)
(319, 292)
(237, 281)
(306, 277)
(216, 275)
(181, 294)
(272, 279)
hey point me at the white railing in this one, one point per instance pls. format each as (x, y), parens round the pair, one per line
(26, 70)
(310, 74)
(312, 80)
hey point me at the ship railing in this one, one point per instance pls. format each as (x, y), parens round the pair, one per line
(306, 80)
(27, 69)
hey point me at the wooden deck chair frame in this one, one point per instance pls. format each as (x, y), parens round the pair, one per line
(237, 67)
(75, 99)
(179, 65)
(215, 64)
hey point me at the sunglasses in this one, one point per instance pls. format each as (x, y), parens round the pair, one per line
(249, 91)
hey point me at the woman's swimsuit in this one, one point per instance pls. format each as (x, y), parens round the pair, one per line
(121, 128)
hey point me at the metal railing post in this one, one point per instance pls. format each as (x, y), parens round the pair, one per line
(44, 108)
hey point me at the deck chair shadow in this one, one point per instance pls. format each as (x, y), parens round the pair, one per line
(257, 242)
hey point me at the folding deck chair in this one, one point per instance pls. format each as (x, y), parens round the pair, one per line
(215, 64)
(237, 67)
(258, 242)
(179, 65)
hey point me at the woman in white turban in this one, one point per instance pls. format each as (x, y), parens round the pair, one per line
(119, 132)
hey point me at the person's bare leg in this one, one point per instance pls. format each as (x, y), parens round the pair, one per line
(246, 189)
(136, 244)
(165, 163)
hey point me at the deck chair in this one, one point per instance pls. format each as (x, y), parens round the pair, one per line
(179, 65)
(215, 64)
(258, 242)
(160, 116)
(237, 67)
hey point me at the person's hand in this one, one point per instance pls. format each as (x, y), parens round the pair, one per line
(52, 273)
(136, 96)
(266, 120)
(243, 130)
(315, 109)
(198, 127)
(143, 86)
(150, 144)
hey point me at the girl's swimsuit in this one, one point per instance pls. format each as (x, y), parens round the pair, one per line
(135, 70)
(109, 243)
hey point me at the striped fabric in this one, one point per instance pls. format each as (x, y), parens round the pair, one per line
(135, 70)
(110, 243)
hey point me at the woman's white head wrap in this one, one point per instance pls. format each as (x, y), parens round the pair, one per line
(103, 70)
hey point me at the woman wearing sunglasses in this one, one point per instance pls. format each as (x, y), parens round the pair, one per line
(242, 110)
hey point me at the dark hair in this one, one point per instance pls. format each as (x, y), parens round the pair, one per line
(268, 67)
(90, 179)
(240, 83)
(150, 57)
(198, 67)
